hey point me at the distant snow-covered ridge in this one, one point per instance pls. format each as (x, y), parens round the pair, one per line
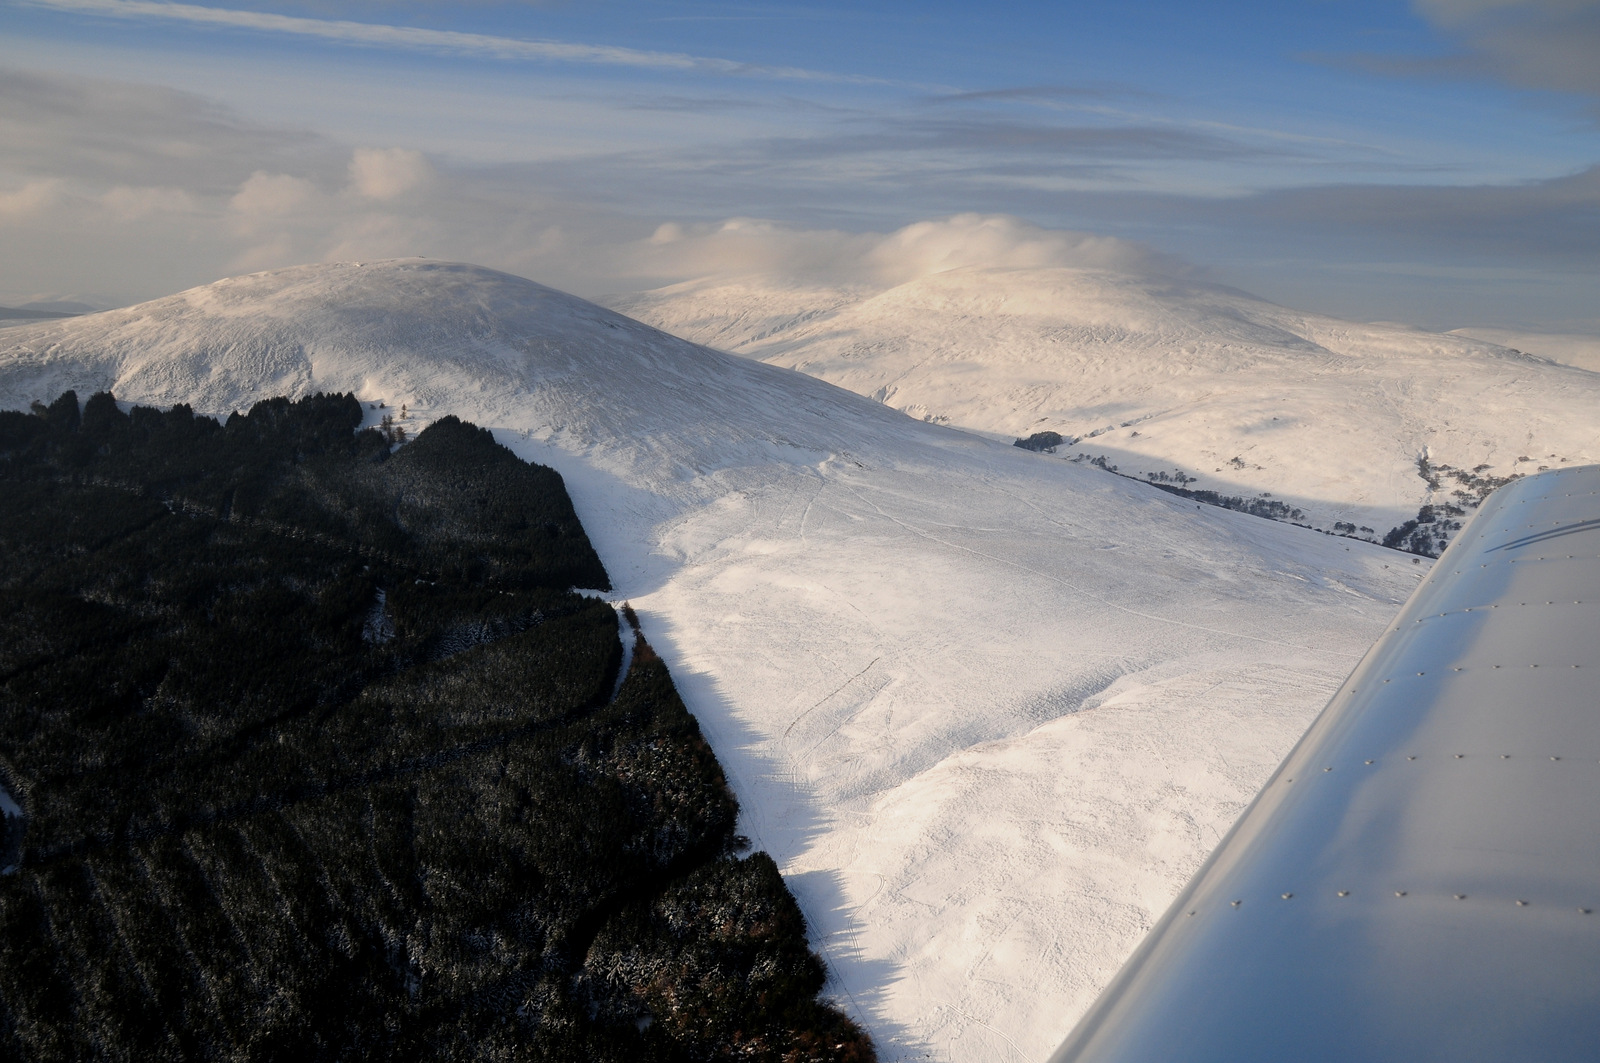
(1575, 349)
(987, 710)
(1166, 378)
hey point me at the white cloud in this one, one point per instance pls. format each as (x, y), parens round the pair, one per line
(1551, 44)
(995, 240)
(128, 203)
(387, 173)
(31, 200)
(745, 246)
(274, 251)
(107, 133)
(127, 191)
(273, 195)
(1462, 12)
(449, 42)
(377, 234)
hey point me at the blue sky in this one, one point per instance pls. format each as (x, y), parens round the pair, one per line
(1431, 161)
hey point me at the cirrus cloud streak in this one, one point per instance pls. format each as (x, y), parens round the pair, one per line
(449, 42)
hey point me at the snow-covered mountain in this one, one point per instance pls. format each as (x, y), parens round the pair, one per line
(988, 711)
(1568, 348)
(1164, 377)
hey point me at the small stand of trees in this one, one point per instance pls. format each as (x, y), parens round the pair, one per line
(1429, 532)
(1043, 442)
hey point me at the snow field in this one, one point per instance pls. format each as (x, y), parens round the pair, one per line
(1328, 416)
(989, 741)
(988, 711)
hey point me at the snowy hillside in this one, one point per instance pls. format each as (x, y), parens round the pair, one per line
(1166, 378)
(1567, 348)
(988, 710)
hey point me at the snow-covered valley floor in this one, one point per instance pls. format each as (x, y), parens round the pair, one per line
(987, 711)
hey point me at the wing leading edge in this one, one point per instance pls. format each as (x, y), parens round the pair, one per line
(1420, 880)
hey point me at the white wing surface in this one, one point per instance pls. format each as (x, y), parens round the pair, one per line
(1420, 880)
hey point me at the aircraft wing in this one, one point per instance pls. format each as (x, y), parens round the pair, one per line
(1420, 880)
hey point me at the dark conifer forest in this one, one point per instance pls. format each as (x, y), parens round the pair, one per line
(316, 756)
